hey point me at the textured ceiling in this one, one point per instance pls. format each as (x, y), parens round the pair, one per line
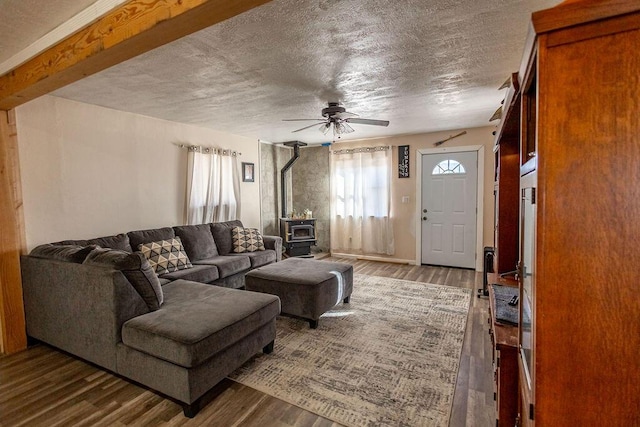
(422, 65)
(22, 22)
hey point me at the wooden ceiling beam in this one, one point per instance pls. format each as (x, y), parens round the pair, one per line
(131, 29)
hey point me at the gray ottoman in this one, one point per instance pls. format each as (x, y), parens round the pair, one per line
(307, 288)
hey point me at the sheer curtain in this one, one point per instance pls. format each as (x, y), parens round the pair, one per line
(361, 201)
(213, 186)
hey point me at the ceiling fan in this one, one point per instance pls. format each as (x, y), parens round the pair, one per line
(338, 118)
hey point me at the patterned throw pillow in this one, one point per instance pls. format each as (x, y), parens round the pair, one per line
(166, 256)
(246, 240)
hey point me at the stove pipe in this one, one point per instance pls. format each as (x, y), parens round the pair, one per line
(296, 153)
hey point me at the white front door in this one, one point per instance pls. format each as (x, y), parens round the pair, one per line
(449, 208)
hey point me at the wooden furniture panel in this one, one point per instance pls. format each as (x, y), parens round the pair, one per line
(576, 12)
(586, 307)
(505, 361)
(507, 181)
(527, 304)
(589, 155)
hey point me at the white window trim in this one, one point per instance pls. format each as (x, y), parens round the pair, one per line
(480, 200)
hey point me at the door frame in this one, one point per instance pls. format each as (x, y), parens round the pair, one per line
(480, 197)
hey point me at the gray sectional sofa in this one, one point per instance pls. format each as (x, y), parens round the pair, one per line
(209, 247)
(100, 300)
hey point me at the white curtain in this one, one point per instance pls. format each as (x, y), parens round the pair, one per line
(213, 186)
(361, 201)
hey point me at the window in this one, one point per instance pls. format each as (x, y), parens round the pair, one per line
(213, 186)
(448, 166)
(360, 205)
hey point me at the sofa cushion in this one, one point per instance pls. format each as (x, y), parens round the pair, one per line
(228, 265)
(139, 237)
(259, 258)
(197, 273)
(119, 241)
(166, 256)
(246, 240)
(197, 241)
(68, 253)
(136, 269)
(71, 243)
(222, 235)
(197, 321)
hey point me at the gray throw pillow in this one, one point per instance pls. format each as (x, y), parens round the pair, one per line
(222, 235)
(136, 269)
(68, 253)
(138, 237)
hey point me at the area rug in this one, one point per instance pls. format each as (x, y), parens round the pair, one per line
(390, 357)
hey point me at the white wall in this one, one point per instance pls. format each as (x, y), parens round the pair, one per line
(89, 171)
(404, 214)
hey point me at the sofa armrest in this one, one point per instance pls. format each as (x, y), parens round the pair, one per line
(275, 243)
(78, 308)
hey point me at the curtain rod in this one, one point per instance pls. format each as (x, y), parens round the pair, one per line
(210, 150)
(362, 149)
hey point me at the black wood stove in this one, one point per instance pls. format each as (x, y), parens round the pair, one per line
(298, 235)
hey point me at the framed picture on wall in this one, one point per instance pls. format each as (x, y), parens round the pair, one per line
(403, 161)
(248, 172)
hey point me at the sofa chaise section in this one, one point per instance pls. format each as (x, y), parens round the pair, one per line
(171, 349)
(180, 338)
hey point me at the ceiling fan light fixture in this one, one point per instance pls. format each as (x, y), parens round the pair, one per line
(347, 128)
(336, 115)
(324, 128)
(342, 127)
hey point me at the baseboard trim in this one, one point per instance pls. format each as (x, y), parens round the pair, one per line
(374, 258)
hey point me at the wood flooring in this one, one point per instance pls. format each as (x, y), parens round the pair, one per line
(42, 386)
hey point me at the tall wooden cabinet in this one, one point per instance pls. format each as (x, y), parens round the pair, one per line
(504, 337)
(579, 335)
(506, 184)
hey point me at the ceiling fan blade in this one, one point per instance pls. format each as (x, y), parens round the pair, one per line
(344, 115)
(367, 121)
(303, 120)
(306, 127)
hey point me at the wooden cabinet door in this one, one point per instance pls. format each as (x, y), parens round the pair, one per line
(586, 304)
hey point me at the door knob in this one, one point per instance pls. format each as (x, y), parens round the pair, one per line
(424, 218)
